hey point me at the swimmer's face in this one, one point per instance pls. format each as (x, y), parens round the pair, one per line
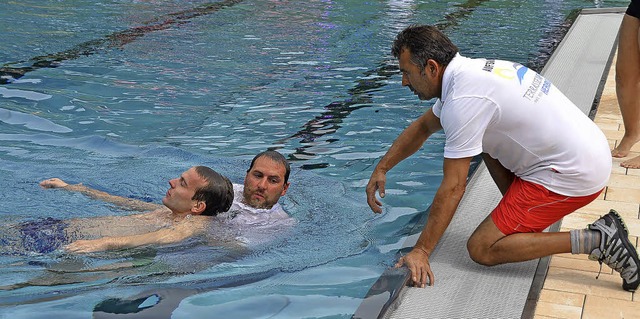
(425, 83)
(179, 197)
(264, 183)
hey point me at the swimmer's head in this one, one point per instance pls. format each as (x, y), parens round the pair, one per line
(276, 158)
(217, 193)
(267, 180)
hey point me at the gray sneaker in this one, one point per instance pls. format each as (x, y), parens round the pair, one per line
(616, 250)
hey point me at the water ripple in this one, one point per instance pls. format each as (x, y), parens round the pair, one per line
(31, 121)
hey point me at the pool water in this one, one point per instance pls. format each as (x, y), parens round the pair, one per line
(124, 95)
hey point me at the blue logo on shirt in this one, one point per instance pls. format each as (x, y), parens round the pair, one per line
(520, 71)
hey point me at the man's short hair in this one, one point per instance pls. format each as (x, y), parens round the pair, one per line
(217, 194)
(424, 42)
(276, 157)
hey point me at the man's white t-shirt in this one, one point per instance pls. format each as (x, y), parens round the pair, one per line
(519, 118)
(255, 225)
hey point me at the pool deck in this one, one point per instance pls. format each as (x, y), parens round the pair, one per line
(570, 289)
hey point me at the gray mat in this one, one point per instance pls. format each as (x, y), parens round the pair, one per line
(462, 288)
(578, 64)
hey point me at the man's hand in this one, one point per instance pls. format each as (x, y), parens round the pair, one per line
(53, 183)
(88, 246)
(376, 183)
(418, 263)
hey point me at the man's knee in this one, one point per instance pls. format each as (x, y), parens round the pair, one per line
(480, 253)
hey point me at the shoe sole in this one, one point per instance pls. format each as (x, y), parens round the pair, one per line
(624, 236)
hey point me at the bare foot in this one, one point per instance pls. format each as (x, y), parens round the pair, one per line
(619, 153)
(622, 150)
(631, 163)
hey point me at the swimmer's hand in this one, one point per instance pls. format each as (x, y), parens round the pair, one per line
(53, 183)
(88, 246)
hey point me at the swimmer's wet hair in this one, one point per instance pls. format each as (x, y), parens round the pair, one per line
(276, 157)
(217, 194)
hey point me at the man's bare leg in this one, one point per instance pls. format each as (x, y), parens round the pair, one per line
(489, 246)
(628, 87)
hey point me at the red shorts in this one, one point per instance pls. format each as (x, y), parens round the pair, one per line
(528, 207)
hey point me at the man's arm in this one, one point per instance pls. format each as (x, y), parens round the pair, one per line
(127, 203)
(444, 206)
(177, 233)
(407, 143)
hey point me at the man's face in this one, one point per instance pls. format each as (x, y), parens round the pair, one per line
(423, 83)
(179, 196)
(264, 183)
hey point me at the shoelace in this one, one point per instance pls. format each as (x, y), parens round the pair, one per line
(599, 271)
(617, 266)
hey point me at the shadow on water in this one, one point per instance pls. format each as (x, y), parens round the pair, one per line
(453, 19)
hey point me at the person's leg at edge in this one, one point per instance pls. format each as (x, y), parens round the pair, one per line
(628, 88)
(513, 233)
(489, 246)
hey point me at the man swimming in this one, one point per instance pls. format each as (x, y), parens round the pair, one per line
(186, 206)
(253, 216)
(196, 194)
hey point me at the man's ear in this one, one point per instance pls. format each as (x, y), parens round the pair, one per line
(432, 67)
(198, 207)
(285, 188)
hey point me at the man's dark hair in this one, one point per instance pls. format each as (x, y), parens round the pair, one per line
(276, 157)
(424, 42)
(217, 194)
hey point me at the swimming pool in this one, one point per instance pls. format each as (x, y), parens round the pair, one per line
(104, 91)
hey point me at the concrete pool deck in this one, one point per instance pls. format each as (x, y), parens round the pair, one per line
(562, 286)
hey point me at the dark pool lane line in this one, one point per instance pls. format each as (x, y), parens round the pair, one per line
(110, 42)
(329, 121)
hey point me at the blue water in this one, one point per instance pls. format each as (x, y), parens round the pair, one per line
(124, 95)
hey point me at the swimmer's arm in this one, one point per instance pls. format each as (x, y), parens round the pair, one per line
(164, 236)
(127, 203)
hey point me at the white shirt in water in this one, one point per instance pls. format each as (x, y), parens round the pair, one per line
(515, 115)
(255, 225)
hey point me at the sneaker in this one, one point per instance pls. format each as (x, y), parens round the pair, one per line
(616, 250)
